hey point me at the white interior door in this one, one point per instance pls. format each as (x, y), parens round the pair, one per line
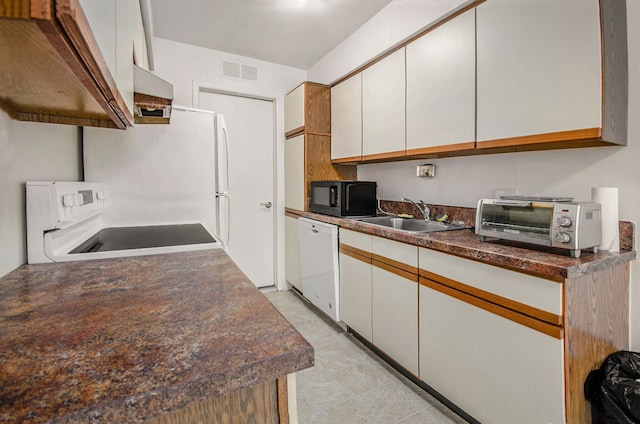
(251, 130)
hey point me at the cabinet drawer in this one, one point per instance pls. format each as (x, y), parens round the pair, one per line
(355, 239)
(406, 254)
(538, 293)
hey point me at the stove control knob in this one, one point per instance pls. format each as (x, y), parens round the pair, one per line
(564, 221)
(563, 238)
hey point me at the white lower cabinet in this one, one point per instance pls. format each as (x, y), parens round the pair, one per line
(496, 370)
(355, 294)
(379, 294)
(292, 271)
(395, 317)
(355, 282)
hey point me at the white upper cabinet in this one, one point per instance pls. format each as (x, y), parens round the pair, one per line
(539, 67)
(294, 109)
(441, 87)
(346, 119)
(383, 107)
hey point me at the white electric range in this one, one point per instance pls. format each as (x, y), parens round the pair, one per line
(64, 223)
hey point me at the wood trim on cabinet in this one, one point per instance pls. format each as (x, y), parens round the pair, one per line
(294, 132)
(543, 327)
(353, 160)
(400, 265)
(40, 9)
(459, 147)
(293, 213)
(596, 324)
(383, 156)
(355, 253)
(386, 265)
(504, 302)
(71, 17)
(579, 137)
(16, 9)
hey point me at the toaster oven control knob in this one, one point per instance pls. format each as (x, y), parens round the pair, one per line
(563, 238)
(564, 221)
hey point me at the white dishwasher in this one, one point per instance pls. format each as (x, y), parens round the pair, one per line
(319, 265)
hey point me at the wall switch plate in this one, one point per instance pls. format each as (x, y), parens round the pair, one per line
(428, 171)
(501, 192)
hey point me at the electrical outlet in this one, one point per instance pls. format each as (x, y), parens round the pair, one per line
(501, 192)
(427, 170)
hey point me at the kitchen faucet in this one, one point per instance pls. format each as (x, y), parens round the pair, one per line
(424, 210)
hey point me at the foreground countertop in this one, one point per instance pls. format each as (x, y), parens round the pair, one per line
(546, 263)
(129, 339)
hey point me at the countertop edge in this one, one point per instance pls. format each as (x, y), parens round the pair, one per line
(531, 261)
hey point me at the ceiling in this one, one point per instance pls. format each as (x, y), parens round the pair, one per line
(294, 33)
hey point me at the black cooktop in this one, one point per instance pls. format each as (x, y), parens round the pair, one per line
(124, 238)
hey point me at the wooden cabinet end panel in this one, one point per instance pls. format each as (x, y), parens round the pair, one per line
(596, 325)
(317, 108)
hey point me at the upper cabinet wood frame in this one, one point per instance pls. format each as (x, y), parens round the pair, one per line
(53, 70)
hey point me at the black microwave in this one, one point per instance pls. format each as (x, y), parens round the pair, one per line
(344, 198)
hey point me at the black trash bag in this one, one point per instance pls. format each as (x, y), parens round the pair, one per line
(614, 389)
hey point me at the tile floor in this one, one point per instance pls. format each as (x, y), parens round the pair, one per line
(349, 384)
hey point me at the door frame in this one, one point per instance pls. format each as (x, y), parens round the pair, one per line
(201, 87)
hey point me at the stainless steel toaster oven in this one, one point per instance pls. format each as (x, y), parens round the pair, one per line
(546, 221)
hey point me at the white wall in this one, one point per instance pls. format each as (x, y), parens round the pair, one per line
(185, 65)
(29, 151)
(462, 181)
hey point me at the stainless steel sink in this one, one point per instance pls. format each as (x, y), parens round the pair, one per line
(411, 225)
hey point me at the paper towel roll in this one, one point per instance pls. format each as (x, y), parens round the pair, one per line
(608, 199)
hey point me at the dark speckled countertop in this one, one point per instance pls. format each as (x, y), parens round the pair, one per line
(125, 340)
(546, 263)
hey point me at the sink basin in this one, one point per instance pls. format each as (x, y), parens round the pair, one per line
(411, 225)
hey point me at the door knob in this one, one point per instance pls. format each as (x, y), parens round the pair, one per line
(266, 205)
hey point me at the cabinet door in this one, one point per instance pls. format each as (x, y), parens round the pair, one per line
(294, 181)
(355, 294)
(292, 252)
(496, 370)
(395, 317)
(346, 119)
(383, 107)
(441, 86)
(294, 109)
(539, 67)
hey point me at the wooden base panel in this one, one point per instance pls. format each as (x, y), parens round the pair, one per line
(264, 403)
